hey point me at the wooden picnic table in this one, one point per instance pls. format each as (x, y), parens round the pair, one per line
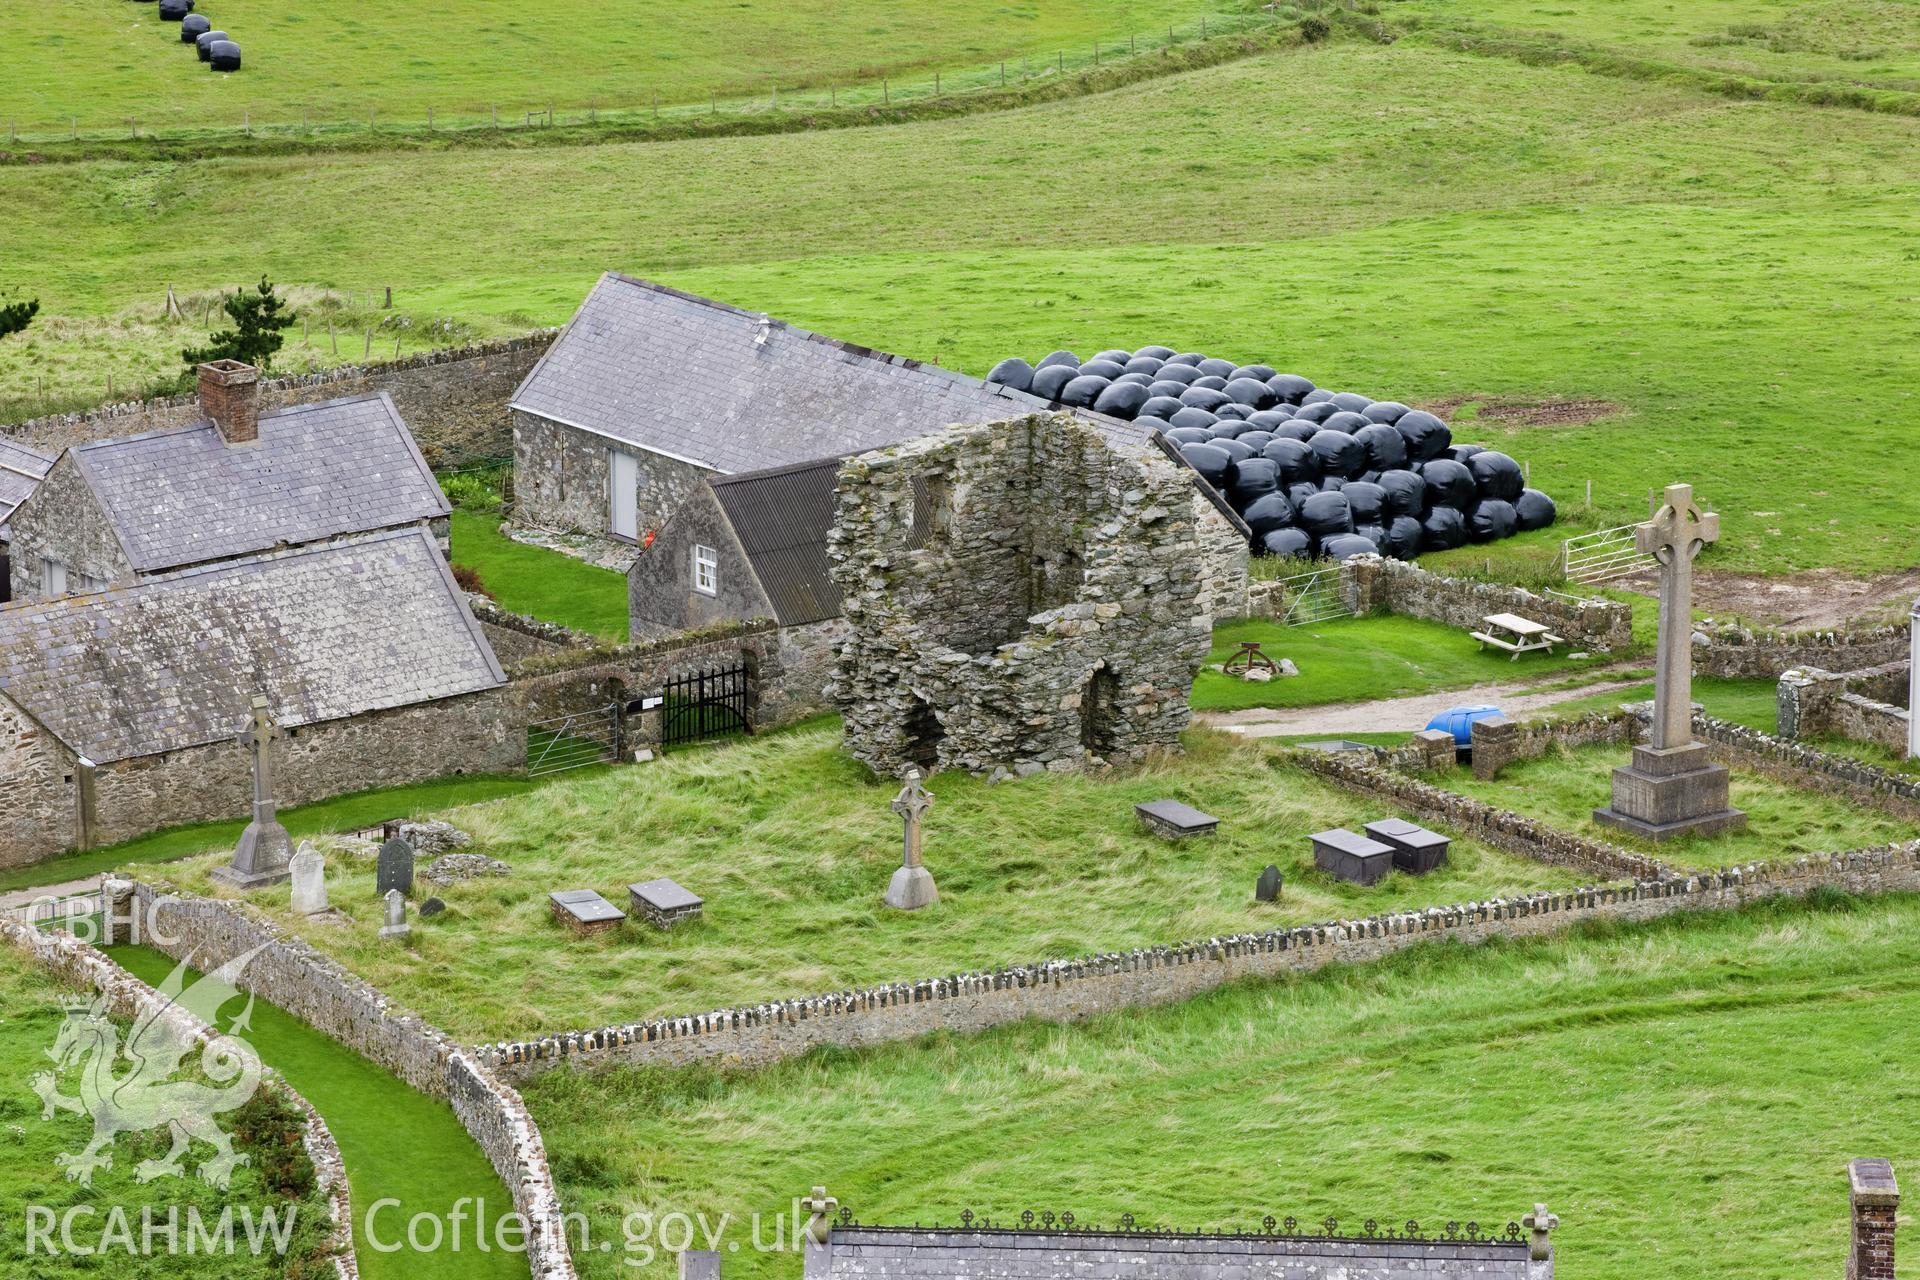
(1515, 634)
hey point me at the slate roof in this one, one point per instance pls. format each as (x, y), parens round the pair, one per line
(781, 518)
(892, 1253)
(184, 496)
(173, 661)
(21, 471)
(685, 376)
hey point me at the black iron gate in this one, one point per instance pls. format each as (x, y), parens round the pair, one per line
(706, 704)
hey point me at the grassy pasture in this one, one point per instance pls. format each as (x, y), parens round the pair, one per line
(1718, 1069)
(106, 62)
(791, 844)
(1734, 275)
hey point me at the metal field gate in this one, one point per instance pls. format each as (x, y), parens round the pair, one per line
(1318, 595)
(1593, 558)
(715, 703)
(571, 741)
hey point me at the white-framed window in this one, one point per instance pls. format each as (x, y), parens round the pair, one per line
(706, 571)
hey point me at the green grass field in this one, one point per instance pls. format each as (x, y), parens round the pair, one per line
(1563, 790)
(273, 1182)
(542, 583)
(792, 844)
(1731, 274)
(108, 63)
(1685, 1095)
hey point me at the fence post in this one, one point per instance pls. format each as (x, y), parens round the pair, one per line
(1003, 74)
(366, 352)
(73, 132)
(1589, 493)
(886, 94)
(656, 104)
(1060, 60)
(936, 84)
(1203, 26)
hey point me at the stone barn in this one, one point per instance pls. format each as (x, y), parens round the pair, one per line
(1020, 596)
(21, 471)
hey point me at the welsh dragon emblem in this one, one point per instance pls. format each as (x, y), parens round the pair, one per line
(130, 1087)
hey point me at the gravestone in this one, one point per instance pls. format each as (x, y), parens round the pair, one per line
(1673, 787)
(396, 867)
(395, 906)
(663, 903)
(265, 848)
(1416, 850)
(1171, 820)
(431, 907)
(583, 911)
(912, 885)
(309, 871)
(1346, 856)
(1268, 888)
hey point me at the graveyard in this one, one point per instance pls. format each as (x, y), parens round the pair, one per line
(1129, 640)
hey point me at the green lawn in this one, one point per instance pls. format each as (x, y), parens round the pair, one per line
(275, 1181)
(397, 1144)
(1358, 659)
(104, 64)
(1747, 702)
(1684, 1095)
(1466, 227)
(342, 813)
(1563, 790)
(538, 582)
(792, 844)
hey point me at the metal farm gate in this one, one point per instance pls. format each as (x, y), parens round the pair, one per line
(706, 704)
(1318, 595)
(1593, 558)
(571, 741)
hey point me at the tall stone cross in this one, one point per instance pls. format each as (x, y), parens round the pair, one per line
(265, 850)
(820, 1208)
(912, 804)
(262, 729)
(1674, 537)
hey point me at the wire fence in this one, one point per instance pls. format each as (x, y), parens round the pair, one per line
(647, 107)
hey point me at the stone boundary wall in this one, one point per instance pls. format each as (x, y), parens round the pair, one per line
(1862, 705)
(1804, 766)
(1407, 589)
(1737, 652)
(72, 960)
(1088, 986)
(515, 637)
(454, 399)
(316, 989)
(1499, 742)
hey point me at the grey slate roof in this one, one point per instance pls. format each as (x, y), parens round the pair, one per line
(184, 496)
(684, 376)
(21, 471)
(781, 518)
(872, 1253)
(173, 661)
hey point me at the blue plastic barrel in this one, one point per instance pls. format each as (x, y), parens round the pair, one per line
(1458, 721)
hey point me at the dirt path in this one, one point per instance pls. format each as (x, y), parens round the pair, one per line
(20, 898)
(1393, 715)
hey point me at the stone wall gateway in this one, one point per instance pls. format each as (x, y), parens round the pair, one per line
(1020, 596)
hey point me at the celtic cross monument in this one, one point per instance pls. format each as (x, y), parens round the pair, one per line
(1672, 788)
(265, 848)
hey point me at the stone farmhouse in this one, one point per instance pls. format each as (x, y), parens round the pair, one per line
(120, 708)
(649, 393)
(21, 470)
(239, 483)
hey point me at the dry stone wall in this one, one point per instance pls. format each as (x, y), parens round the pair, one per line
(1740, 652)
(1020, 596)
(1499, 742)
(1803, 766)
(1406, 589)
(454, 400)
(1866, 706)
(1088, 986)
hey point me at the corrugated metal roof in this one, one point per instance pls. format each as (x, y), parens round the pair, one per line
(781, 517)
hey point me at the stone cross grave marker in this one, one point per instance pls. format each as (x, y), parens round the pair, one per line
(396, 867)
(820, 1209)
(309, 872)
(1672, 787)
(1913, 686)
(265, 848)
(912, 885)
(395, 906)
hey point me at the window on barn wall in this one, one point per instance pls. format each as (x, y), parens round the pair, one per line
(706, 570)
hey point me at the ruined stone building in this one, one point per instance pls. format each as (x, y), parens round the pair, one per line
(119, 709)
(238, 483)
(21, 470)
(649, 393)
(1020, 596)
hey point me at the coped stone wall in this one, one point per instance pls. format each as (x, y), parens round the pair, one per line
(1803, 766)
(1020, 596)
(80, 964)
(1070, 990)
(1499, 742)
(1399, 587)
(315, 989)
(1735, 651)
(454, 400)
(1866, 706)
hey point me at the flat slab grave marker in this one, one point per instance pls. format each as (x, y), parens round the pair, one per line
(1415, 849)
(663, 903)
(1171, 820)
(583, 911)
(1346, 856)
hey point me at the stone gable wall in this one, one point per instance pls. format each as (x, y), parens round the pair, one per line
(1020, 596)
(561, 474)
(63, 519)
(38, 798)
(661, 600)
(1089, 986)
(454, 400)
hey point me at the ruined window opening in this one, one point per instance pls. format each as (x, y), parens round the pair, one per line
(924, 734)
(932, 509)
(1099, 712)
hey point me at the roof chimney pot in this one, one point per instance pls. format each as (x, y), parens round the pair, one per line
(230, 395)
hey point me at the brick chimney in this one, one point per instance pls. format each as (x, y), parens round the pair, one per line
(230, 395)
(1876, 1206)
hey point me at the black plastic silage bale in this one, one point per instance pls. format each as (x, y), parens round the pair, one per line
(1290, 387)
(1235, 450)
(1049, 380)
(1107, 369)
(1427, 437)
(175, 10)
(1062, 357)
(1345, 546)
(1188, 416)
(1083, 391)
(1533, 510)
(1386, 447)
(1326, 515)
(1258, 372)
(1496, 476)
(1144, 364)
(1203, 398)
(1386, 411)
(205, 41)
(1406, 492)
(1121, 400)
(1297, 429)
(224, 56)
(1299, 464)
(1250, 392)
(1443, 529)
(1214, 463)
(1340, 454)
(1367, 501)
(1345, 420)
(1449, 484)
(192, 27)
(1012, 372)
(1315, 412)
(1156, 352)
(1217, 368)
(1253, 479)
(1295, 543)
(1491, 520)
(1161, 406)
(1404, 537)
